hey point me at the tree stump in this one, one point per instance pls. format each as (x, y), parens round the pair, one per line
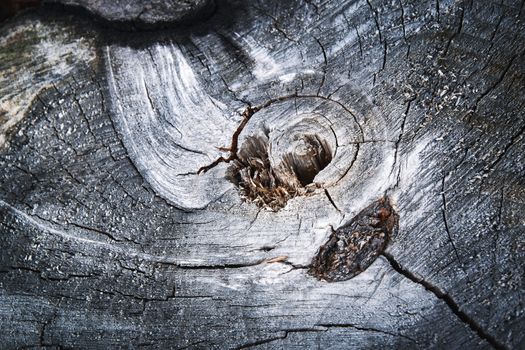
(268, 175)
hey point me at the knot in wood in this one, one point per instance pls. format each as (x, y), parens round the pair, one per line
(273, 167)
(354, 246)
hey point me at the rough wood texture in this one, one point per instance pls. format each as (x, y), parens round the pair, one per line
(112, 238)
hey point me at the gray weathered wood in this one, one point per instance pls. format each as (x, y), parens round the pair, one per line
(112, 238)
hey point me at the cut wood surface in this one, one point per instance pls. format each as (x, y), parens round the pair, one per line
(171, 188)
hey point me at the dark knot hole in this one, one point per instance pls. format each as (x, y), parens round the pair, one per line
(272, 185)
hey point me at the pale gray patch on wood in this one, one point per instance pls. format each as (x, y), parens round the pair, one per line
(171, 126)
(33, 56)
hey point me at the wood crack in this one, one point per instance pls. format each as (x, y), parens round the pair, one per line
(456, 33)
(382, 40)
(404, 27)
(275, 24)
(331, 200)
(104, 233)
(213, 267)
(324, 67)
(496, 83)
(398, 141)
(285, 334)
(445, 220)
(514, 139)
(366, 329)
(448, 300)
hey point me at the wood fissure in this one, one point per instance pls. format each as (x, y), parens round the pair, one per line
(451, 303)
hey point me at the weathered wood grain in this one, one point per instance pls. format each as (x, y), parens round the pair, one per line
(111, 237)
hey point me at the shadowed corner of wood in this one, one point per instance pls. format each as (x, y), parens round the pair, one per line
(9, 8)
